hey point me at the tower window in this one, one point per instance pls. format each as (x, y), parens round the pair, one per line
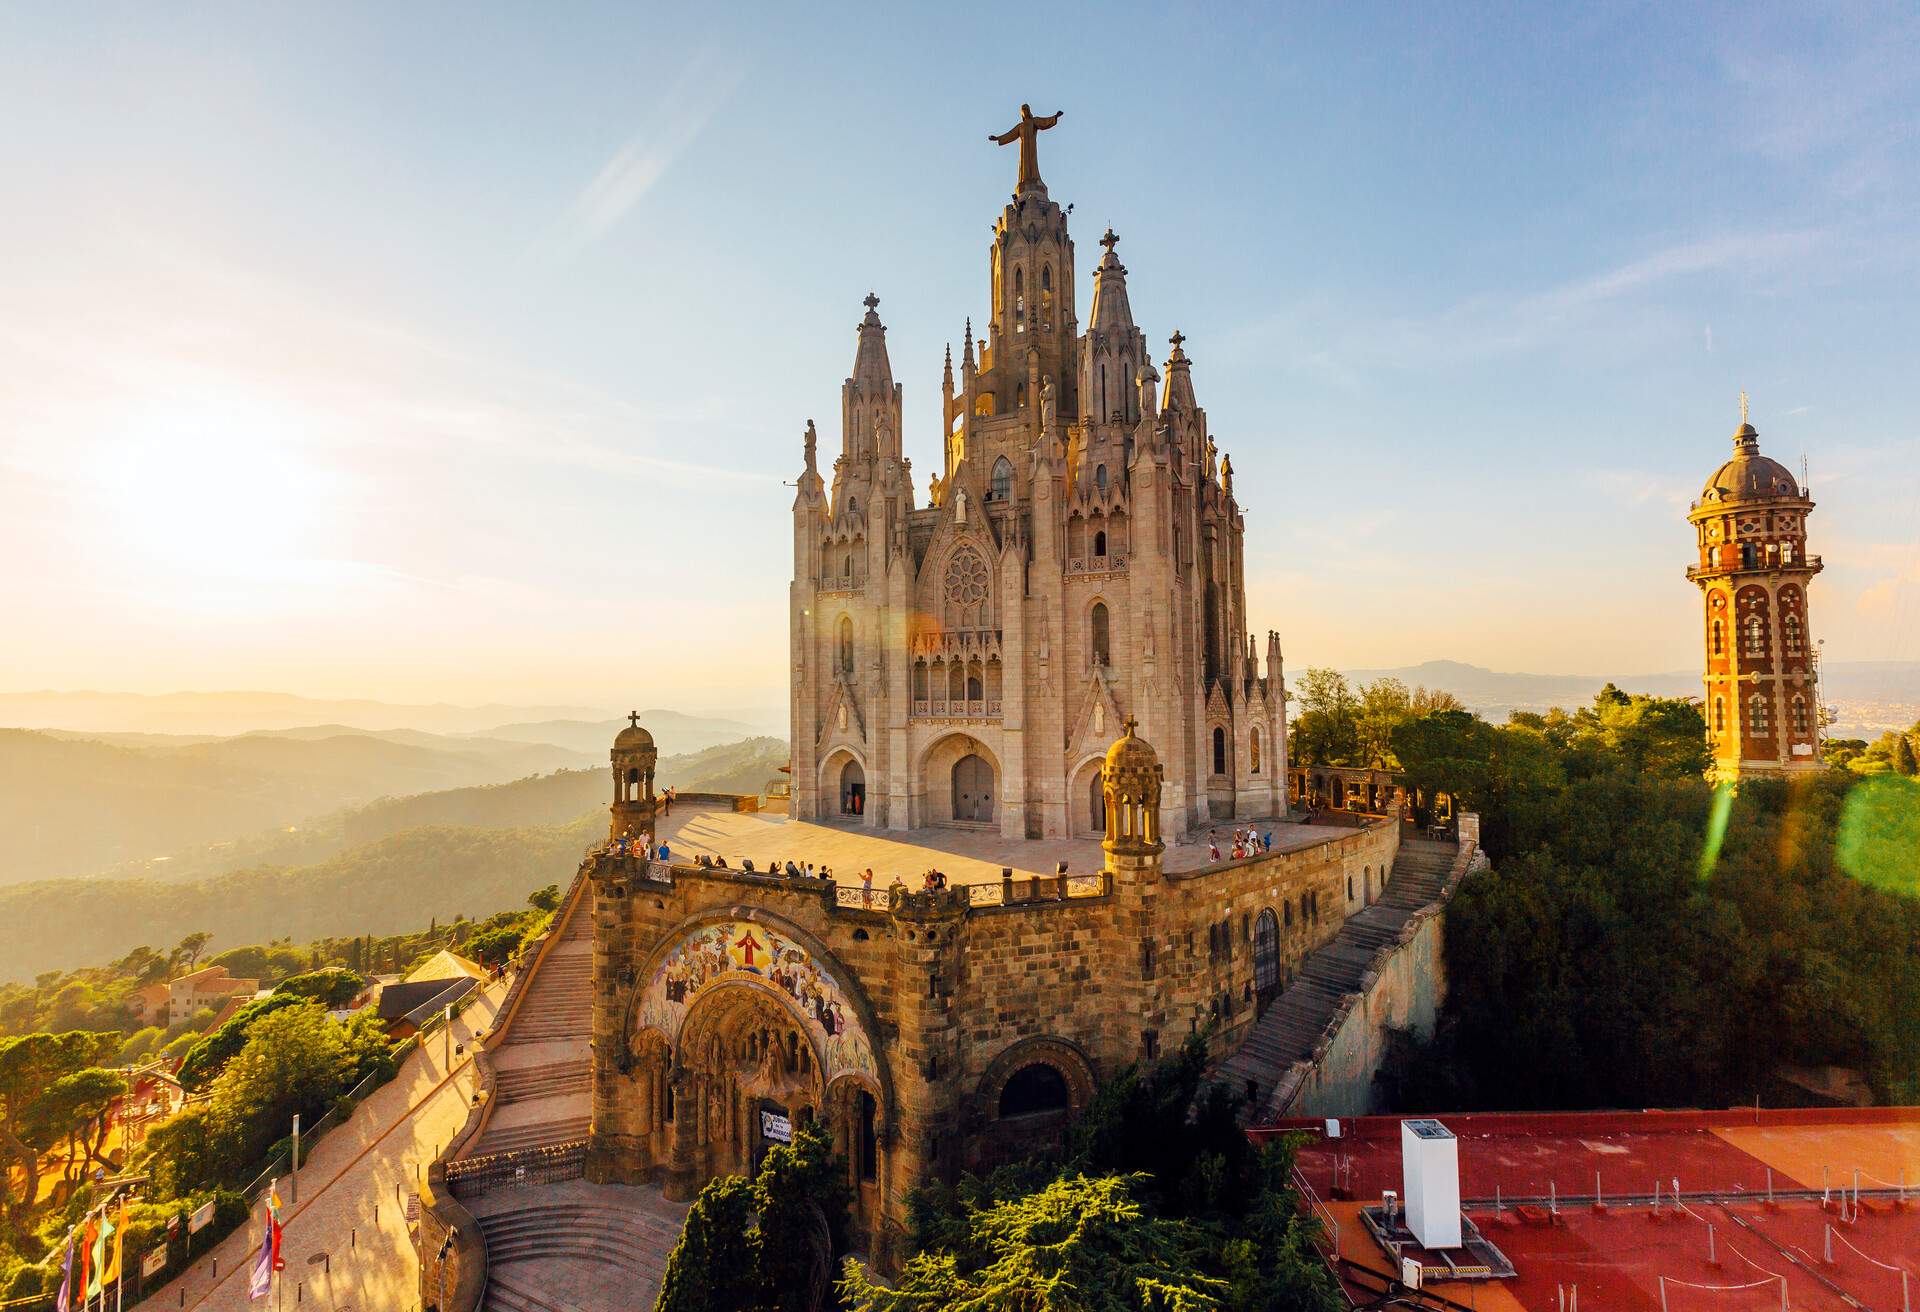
(1757, 715)
(1100, 477)
(1799, 715)
(1219, 751)
(846, 644)
(1790, 631)
(1100, 633)
(1719, 637)
(1749, 558)
(1001, 488)
(1719, 715)
(1253, 747)
(1100, 543)
(1756, 637)
(1020, 397)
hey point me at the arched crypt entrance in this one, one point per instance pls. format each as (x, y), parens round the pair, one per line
(742, 1029)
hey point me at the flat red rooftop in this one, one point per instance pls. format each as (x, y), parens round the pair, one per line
(1721, 1245)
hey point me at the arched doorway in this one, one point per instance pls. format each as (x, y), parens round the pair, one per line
(973, 788)
(748, 1074)
(1097, 803)
(853, 789)
(1266, 958)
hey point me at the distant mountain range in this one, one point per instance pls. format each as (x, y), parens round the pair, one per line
(1871, 695)
(224, 714)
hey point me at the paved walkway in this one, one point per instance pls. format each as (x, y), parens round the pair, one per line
(353, 1192)
(967, 856)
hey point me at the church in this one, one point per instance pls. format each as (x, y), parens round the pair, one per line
(1077, 562)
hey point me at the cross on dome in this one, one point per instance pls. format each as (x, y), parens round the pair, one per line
(1132, 724)
(633, 719)
(1743, 405)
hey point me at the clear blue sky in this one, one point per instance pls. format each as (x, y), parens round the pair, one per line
(462, 351)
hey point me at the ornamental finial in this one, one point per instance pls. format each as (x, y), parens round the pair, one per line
(1743, 405)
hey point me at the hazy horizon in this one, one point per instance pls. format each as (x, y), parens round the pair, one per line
(441, 355)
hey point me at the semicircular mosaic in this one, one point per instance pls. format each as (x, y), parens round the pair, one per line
(742, 950)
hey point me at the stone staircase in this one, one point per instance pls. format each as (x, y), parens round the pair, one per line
(543, 1074)
(577, 1248)
(1299, 1019)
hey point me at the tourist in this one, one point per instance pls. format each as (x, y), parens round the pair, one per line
(720, 862)
(666, 854)
(746, 864)
(793, 871)
(1213, 845)
(866, 887)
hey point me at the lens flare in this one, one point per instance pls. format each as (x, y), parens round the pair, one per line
(1879, 839)
(1716, 828)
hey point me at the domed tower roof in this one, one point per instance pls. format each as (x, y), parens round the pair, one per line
(1750, 476)
(633, 738)
(1132, 753)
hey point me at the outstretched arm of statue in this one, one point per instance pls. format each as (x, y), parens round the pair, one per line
(1008, 137)
(1049, 120)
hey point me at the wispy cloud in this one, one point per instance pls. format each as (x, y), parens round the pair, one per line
(702, 87)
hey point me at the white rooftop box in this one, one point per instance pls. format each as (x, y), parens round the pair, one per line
(1430, 1181)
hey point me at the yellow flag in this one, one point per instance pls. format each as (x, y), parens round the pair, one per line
(112, 1272)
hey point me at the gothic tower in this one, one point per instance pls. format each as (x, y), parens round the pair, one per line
(1762, 699)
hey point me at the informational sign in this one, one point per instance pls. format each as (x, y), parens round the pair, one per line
(1333, 1128)
(202, 1218)
(173, 1225)
(1410, 1272)
(775, 1126)
(153, 1263)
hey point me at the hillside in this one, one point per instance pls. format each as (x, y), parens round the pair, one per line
(383, 887)
(1871, 695)
(547, 799)
(263, 888)
(673, 733)
(71, 806)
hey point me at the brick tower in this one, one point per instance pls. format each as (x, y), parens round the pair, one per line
(1762, 705)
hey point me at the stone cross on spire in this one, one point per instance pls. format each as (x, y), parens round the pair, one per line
(633, 719)
(871, 302)
(1109, 241)
(1026, 131)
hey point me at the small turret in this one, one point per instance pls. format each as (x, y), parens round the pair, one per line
(1130, 783)
(633, 757)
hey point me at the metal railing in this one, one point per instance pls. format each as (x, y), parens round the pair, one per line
(474, 1176)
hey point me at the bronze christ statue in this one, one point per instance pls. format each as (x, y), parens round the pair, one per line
(1024, 132)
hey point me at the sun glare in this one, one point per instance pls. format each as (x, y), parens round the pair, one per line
(221, 492)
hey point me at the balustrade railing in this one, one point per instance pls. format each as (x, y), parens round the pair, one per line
(958, 708)
(547, 1165)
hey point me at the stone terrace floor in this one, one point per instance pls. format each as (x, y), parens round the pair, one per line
(967, 856)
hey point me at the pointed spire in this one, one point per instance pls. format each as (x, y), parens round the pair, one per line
(1179, 393)
(966, 345)
(872, 371)
(1111, 312)
(946, 373)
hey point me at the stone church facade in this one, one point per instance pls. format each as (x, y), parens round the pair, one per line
(964, 659)
(1761, 702)
(927, 1032)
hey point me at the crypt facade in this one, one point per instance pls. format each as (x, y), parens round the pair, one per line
(965, 657)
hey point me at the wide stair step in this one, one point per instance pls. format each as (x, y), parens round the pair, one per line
(538, 1134)
(531, 1082)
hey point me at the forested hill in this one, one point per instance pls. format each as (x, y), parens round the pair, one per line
(375, 869)
(74, 806)
(396, 883)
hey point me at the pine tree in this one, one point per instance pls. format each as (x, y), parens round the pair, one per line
(1901, 758)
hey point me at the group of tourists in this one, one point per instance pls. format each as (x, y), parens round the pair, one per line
(641, 849)
(1246, 842)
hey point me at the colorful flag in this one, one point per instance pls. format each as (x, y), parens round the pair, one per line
(261, 1281)
(92, 1258)
(64, 1300)
(119, 1224)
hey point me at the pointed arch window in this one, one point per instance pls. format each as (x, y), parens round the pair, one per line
(1019, 300)
(1757, 718)
(1253, 752)
(1020, 396)
(1100, 627)
(1219, 751)
(1001, 487)
(1100, 477)
(1046, 289)
(846, 644)
(1100, 542)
